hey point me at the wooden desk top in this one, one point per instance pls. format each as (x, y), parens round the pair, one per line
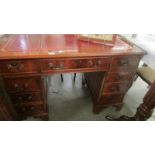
(27, 46)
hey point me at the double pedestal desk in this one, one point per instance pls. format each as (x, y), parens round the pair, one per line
(27, 60)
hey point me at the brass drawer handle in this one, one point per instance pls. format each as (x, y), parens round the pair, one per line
(16, 85)
(50, 65)
(99, 62)
(10, 66)
(61, 65)
(26, 85)
(90, 62)
(20, 67)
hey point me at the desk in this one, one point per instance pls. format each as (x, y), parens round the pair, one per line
(26, 61)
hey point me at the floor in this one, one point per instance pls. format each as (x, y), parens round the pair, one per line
(70, 101)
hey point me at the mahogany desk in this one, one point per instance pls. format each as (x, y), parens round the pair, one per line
(26, 61)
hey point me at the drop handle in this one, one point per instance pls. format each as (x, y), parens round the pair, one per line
(29, 98)
(9, 66)
(20, 67)
(16, 85)
(90, 62)
(32, 108)
(114, 88)
(50, 65)
(99, 62)
(60, 66)
(26, 85)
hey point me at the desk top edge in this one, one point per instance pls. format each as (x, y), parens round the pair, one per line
(37, 46)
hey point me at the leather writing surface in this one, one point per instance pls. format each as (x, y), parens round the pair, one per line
(58, 45)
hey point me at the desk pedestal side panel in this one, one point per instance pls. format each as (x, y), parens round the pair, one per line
(5, 114)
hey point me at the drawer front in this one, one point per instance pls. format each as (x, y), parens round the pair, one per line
(125, 62)
(10, 67)
(30, 110)
(119, 76)
(23, 84)
(25, 98)
(92, 63)
(116, 87)
(111, 99)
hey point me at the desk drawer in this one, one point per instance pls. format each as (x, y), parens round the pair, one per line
(90, 63)
(23, 84)
(12, 67)
(30, 110)
(119, 76)
(27, 98)
(111, 99)
(115, 87)
(125, 62)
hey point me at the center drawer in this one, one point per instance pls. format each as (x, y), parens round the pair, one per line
(23, 84)
(66, 64)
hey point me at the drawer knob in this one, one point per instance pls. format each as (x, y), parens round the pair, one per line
(50, 65)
